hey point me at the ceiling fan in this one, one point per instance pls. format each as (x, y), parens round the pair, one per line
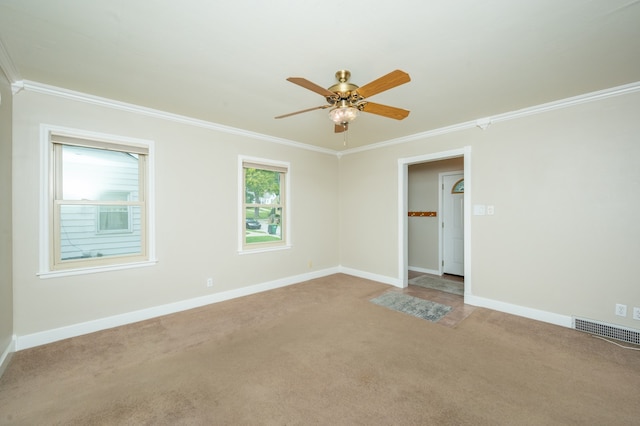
(346, 99)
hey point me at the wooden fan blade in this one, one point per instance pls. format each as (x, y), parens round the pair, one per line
(311, 86)
(386, 82)
(304, 110)
(385, 110)
(339, 128)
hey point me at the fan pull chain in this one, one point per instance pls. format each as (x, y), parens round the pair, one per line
(345, 133)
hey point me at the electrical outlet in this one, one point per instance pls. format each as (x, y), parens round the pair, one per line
(636, 313)
(621, 310)
(209, 282)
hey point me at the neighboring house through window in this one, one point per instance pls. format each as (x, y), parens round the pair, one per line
(98, 202)
(115, 219)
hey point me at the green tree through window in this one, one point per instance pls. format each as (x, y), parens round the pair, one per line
(264, 205)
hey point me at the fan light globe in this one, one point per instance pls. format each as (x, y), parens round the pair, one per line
(343, 114)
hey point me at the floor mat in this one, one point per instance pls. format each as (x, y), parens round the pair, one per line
(420, 308)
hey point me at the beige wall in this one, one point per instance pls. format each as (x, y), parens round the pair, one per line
(196, 217)
(6, 286)
(369, 205)
(564, 238)
(422, 232)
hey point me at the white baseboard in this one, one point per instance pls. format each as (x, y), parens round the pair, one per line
(521, 311)
(496, 305)
(6, 354)
(53, 335)
(49, 336)
(535, 314)
(369, 276)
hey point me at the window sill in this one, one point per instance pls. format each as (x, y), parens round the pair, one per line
(94, 270)
(263, 249)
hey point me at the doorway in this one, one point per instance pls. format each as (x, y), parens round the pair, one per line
(403, 166)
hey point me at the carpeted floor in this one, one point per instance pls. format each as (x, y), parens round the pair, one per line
(321, 353)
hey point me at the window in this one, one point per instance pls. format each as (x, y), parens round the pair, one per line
(115, 219)
(264, 213)
(458, 187)
(98, 208)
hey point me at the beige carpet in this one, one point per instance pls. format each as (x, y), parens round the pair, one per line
(320, 353)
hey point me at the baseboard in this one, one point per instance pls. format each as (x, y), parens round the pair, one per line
(369, 276)
(496, 305)
(6, 355)
(74, 330)
(53, 335)
(521, 311)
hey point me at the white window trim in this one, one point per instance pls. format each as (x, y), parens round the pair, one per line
(45, 270)
(287, 205)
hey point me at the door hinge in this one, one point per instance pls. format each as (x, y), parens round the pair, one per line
(443, 263)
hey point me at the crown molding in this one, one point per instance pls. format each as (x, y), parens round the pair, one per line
(7, 66)
(32, 86)
(481, 123)
(568, 102)
(484, 123)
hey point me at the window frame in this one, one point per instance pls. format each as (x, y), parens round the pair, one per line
(285, 188)
(51, 264)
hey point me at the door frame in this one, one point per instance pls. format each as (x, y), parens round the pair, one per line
(441, 216)
(403, 206)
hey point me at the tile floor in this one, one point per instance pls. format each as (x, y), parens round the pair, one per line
(459, 312)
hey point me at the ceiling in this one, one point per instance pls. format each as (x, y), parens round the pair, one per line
(227, 62)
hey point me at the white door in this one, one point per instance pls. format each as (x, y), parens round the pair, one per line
(452, 217)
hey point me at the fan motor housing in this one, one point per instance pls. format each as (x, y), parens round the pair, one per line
(343, 88)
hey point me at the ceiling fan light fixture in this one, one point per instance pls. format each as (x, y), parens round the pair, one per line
(346, 100)
(343, 114)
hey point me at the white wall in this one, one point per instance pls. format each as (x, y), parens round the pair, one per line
(196, 217)
(6, 286)
(565, 236)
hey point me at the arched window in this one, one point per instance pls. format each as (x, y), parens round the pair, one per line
(458, 188)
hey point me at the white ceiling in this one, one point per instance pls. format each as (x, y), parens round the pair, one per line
(226, 62)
